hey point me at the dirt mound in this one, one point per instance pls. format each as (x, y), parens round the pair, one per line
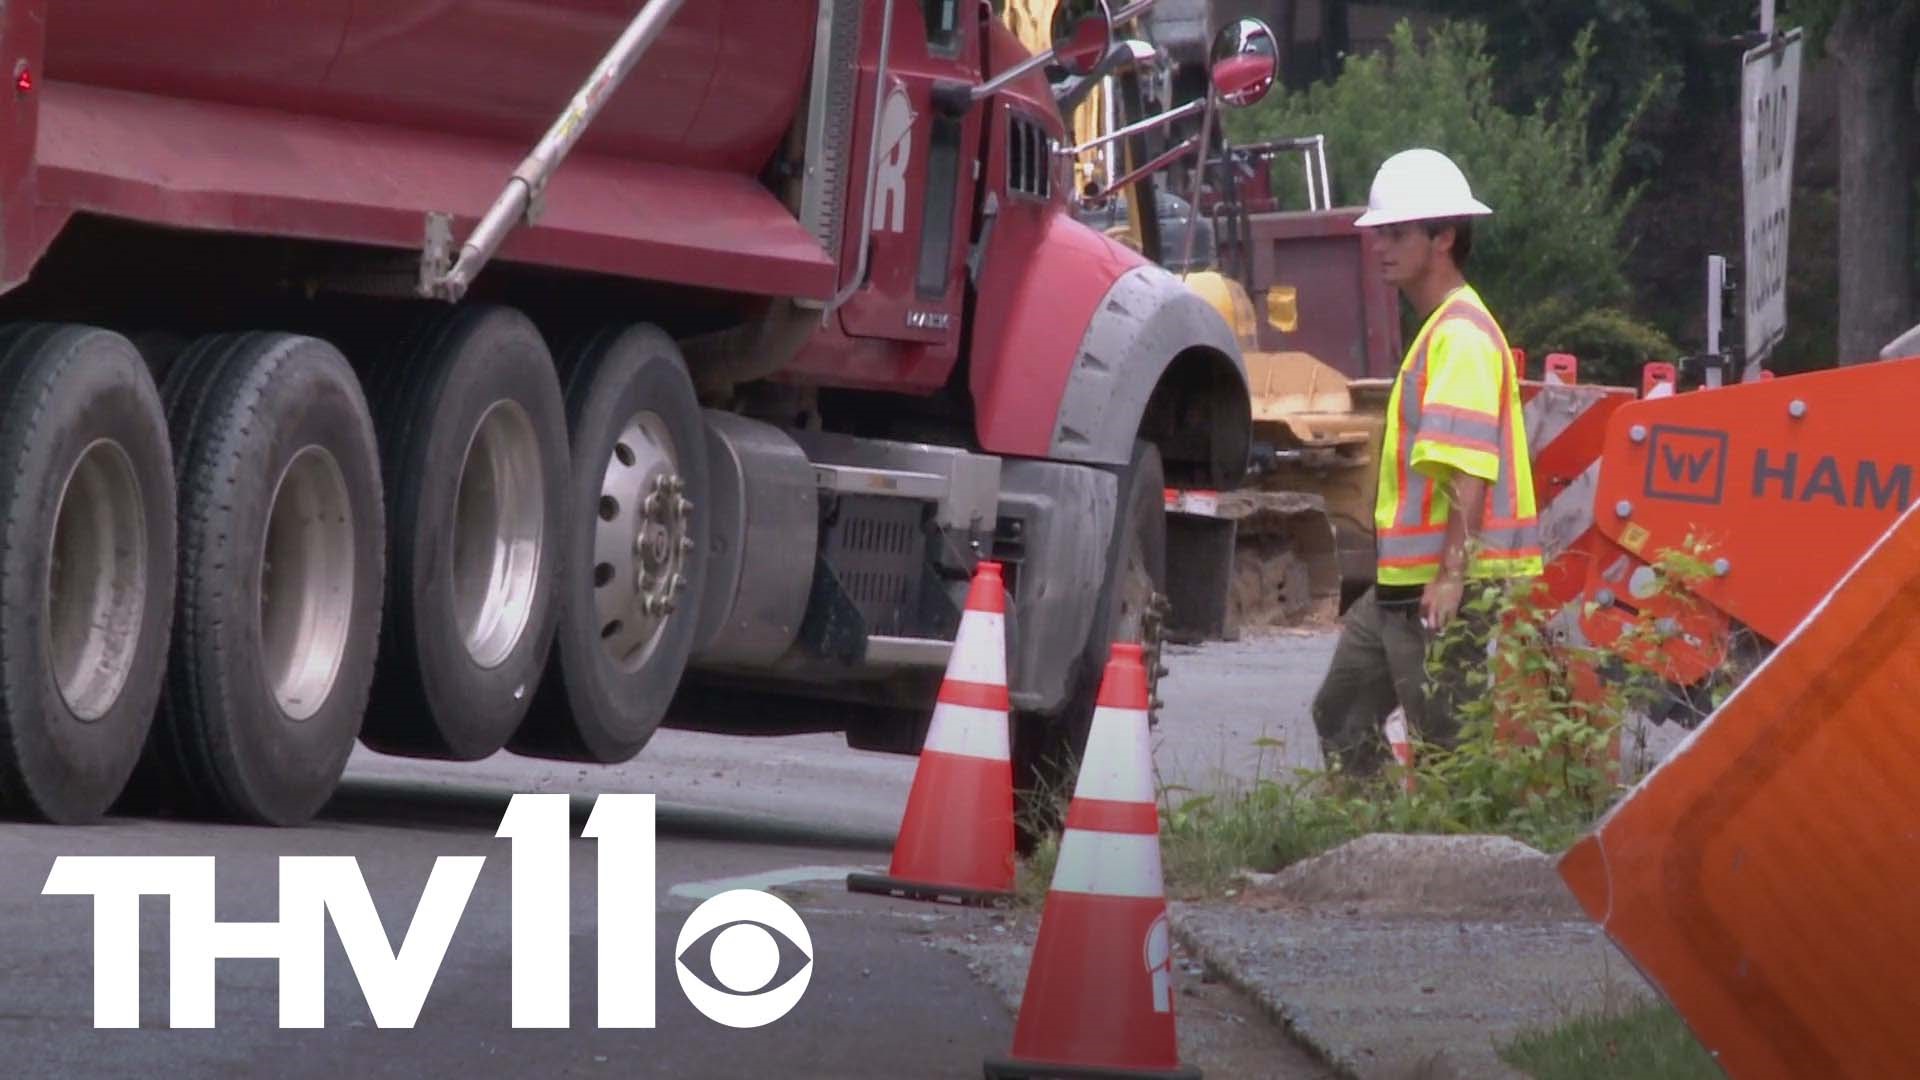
(1453, 877)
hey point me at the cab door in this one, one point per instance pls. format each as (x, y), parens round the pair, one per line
(924, 182)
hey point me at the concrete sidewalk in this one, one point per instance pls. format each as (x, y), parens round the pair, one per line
(1396, 957)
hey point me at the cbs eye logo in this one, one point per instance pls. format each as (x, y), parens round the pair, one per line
(737, 938)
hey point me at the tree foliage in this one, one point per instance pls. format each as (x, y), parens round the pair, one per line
(1551, 259)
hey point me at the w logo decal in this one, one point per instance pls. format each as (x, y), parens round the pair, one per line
(1686, 464)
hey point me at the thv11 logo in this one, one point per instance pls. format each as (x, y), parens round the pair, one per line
(738, 927)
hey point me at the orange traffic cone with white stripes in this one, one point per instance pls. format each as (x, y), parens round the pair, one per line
(1099, 994)
(1402, 745)
(956, 840)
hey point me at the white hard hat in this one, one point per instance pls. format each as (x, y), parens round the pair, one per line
(1419, 185)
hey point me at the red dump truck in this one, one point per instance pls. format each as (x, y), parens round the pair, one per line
(455, 377)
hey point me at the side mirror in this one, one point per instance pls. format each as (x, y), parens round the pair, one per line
(1244, 60)
(1082, 34)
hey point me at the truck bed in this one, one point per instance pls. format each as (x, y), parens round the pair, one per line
(205, 165)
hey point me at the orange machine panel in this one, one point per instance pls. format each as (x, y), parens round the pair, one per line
(1765, 877)
(1790, 480)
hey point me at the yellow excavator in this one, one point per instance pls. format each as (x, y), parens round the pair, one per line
(1295, 543)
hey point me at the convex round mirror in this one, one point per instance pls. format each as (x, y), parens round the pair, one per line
(1244, 61)
(1082, 34)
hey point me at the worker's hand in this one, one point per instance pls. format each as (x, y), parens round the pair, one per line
(1440, 601)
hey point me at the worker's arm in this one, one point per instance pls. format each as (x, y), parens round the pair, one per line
(1467, 495)
(1458, 448)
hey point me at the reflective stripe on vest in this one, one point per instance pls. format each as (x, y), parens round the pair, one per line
(1509, 534)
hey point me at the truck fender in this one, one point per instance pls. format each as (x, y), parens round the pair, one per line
(1157, 362)
(1081, 346)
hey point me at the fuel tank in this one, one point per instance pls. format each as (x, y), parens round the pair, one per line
(717, 90)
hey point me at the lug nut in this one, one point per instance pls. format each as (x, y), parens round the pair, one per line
(686, 507)
(686, 544)
(676, 583)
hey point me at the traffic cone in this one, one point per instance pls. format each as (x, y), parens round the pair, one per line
(956, 840)
(1099, 994)
(1402, 745)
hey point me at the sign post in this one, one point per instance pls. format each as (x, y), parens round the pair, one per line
(1769, 108)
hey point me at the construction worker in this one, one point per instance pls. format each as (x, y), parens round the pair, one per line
(1455, 498)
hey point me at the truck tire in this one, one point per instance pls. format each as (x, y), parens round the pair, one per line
(282, 536)
(474, 440)
(635, 562)
(86, 567)
(1047, 746)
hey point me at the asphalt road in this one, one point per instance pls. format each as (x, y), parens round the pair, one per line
(794, 815)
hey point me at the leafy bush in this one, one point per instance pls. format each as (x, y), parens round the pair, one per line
(1538, 756)
(1551, 258)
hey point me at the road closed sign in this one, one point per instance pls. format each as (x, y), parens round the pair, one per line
(1769, 105)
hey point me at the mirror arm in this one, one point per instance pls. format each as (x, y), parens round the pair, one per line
(1161, 162)
(1136, 127)
(1199, 178)
(1075, 91)
(951, 97)
(993, 86)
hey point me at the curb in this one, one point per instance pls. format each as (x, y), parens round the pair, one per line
(1277, 1011)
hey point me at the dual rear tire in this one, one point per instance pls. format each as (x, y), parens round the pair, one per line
(280, 571)
(86, 567)
(210, 588)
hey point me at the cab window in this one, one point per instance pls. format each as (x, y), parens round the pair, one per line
(943, 25)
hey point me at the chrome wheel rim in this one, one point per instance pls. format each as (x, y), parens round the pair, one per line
(96, 593)
(499, 527)
(306, 582)
(642, 539)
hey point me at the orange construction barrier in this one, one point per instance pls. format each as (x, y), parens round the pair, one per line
(956, 839)
(1764, 877)
(1099, 993)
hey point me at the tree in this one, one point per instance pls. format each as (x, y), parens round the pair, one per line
(1550, 260)
(1876, 43)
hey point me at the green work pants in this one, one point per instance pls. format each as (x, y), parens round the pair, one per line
(1380, 662)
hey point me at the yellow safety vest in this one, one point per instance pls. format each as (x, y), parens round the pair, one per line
(1455, 406)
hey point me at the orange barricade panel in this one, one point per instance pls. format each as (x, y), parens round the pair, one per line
(1766, 877)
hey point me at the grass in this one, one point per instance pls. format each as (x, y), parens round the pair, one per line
(1206, 840)
(1647, 1041)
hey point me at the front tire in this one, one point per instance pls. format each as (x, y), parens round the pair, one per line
(86, 567)
(1047, 746)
